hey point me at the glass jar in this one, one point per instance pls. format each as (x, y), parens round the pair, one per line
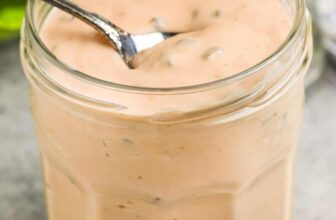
(319, 57)
(221, 150)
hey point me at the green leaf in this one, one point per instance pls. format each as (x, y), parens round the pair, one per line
(7, 34)
(5, 3)
(11, 16)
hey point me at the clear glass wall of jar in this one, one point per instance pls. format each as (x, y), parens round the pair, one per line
(319, 57)
(105, 155)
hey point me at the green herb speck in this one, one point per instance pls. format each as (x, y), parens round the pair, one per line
(158, 23)
(128, 141)
(217, 13)
(121, 206)
(194, 14)
(213, 53)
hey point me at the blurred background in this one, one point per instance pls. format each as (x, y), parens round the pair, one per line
(21, 194)
(11, 14)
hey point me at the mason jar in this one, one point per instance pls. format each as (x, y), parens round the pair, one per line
(220, 150)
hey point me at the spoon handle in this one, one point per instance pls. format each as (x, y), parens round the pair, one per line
(102, 25)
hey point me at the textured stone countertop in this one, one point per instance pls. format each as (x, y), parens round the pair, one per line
(21, 196)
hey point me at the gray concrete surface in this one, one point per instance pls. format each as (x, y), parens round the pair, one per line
(21, 196)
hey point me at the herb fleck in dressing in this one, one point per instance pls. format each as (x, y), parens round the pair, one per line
(217, 13)
(158, 23)
(213, 53)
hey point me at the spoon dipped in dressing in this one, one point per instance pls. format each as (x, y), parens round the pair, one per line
(127, 45)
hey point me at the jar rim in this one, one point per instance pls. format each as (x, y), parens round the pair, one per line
(292, 35)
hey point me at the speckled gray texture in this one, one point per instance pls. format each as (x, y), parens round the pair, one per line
(316, 176)
(21, 196)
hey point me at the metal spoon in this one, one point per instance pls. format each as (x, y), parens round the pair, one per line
(125, 43)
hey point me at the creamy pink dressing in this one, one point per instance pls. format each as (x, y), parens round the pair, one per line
(218, 39)
(101, 165)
